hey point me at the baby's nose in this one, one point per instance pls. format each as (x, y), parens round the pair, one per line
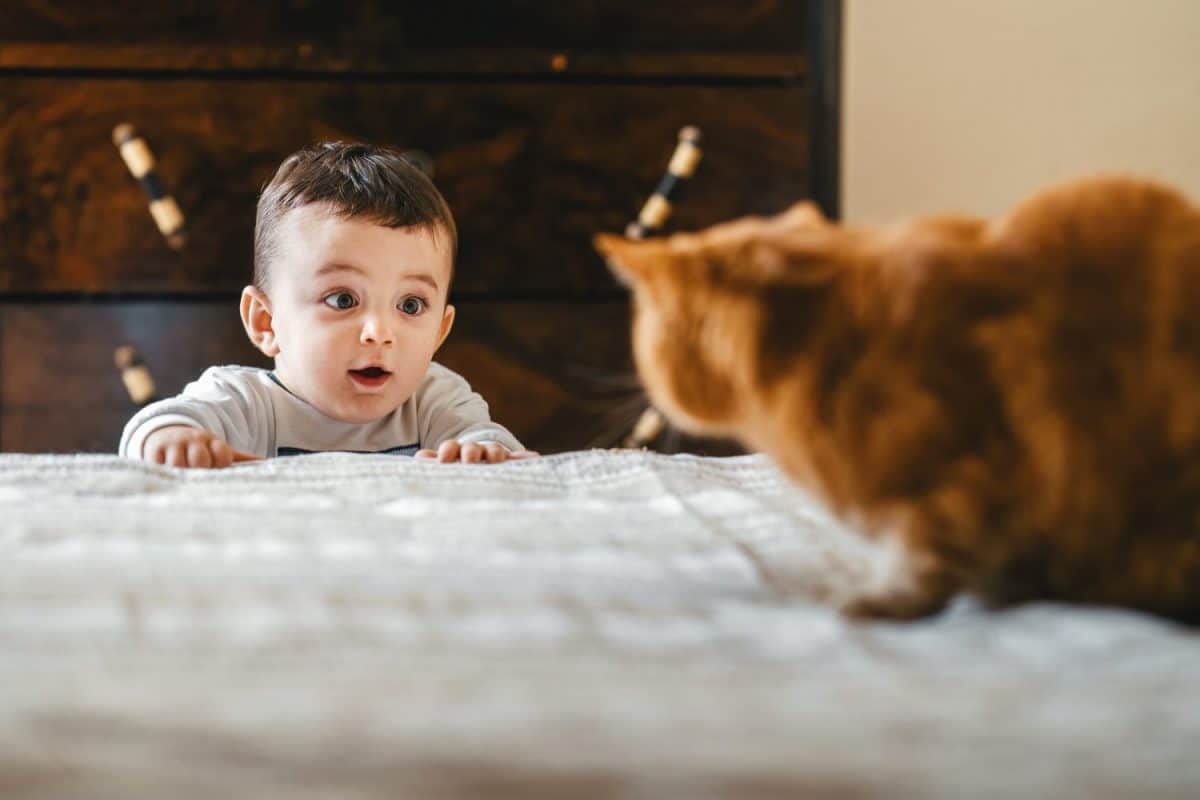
(376, 331)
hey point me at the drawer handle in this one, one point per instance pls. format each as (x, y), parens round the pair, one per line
(137, 156)
(682, 166)
(653, 216)
(134, 374)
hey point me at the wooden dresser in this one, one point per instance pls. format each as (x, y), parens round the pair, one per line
(547, 122)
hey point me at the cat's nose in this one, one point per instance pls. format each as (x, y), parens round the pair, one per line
(612, 248)
(604, 244)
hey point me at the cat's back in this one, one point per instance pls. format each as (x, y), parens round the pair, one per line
(1115, 222)
(1099, 360)
(1106, 276)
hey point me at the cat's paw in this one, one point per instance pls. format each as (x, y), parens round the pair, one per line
(894, 606)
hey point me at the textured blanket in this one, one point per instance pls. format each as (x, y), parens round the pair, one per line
(614, 624)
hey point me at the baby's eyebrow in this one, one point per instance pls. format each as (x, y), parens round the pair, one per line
(423, 277)
(339, 267)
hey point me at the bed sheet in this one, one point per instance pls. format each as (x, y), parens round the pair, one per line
(603, 623)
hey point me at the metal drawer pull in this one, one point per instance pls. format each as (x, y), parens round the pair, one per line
(134, 374)
(682, 166)
(140, 161)
(650, 221)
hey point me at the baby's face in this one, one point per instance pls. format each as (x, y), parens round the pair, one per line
(358, 310)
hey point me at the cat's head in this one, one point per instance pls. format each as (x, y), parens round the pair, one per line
(718, 312)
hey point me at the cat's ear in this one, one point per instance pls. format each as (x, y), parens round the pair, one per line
(801, 215)
(629, 260)
(812, 258)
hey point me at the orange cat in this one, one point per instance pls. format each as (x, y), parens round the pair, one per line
(1015, 402)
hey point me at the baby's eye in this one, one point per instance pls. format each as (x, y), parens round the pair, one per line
(340, 300)
(412, 306)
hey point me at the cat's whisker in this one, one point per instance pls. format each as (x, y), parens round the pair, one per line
(598, 377)
(670, 440)
(619, 420)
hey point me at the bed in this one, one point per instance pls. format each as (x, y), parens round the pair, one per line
(604, 623)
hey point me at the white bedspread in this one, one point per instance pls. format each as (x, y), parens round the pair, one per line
(613, 624)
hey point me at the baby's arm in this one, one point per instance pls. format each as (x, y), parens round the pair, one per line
(216, 421)
(455, 425)
(474, 452)
(188, 446)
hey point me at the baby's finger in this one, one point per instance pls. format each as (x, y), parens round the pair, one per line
(222, 453)
(448, 451)
(471, 453)
(495, 453)
(198, 455)
(520, 454)
(176, 455)
(426, 453)
(239, 456)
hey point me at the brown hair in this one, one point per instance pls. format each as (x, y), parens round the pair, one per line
(359, 181)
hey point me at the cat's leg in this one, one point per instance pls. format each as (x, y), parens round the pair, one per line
(936, 545)
(909, 584)
(1161, 576)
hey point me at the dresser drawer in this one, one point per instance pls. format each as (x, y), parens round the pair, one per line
(333, 34)
(530, 171)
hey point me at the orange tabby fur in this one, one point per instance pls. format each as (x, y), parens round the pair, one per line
(1016, 401)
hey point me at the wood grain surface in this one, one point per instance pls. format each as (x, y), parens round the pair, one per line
(379, 30)
(530, 171)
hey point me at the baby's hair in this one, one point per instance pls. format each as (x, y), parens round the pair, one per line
(360, 181)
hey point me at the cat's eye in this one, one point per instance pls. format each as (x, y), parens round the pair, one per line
(412, 306)
(339, 300)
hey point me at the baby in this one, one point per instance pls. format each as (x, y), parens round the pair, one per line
(353, 256)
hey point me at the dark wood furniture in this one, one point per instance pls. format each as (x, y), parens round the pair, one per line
(547, 121)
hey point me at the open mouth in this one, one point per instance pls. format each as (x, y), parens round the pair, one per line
(370, 376)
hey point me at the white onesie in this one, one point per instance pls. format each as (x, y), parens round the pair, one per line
(251, 410)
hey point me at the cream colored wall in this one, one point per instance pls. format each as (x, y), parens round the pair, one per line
(968, 105)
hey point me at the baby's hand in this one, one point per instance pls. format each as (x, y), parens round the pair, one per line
(185, 446)
(474, 453)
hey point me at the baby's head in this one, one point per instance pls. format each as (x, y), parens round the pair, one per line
(353, 257)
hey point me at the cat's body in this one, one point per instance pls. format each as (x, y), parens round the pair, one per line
(1015, 402)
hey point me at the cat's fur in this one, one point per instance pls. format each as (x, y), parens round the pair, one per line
(1016, 401)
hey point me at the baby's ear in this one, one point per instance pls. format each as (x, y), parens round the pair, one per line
(258, 321)
(629, 260)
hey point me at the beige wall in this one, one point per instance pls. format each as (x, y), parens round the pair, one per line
(968, 105)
